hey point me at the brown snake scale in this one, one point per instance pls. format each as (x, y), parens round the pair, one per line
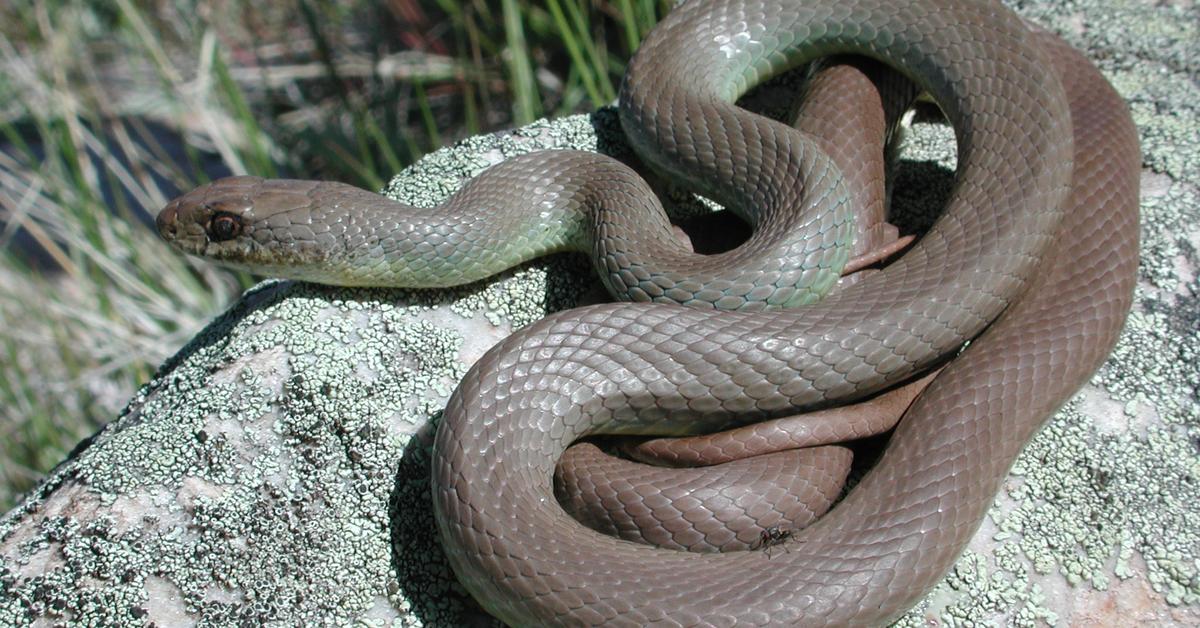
(1033, 263)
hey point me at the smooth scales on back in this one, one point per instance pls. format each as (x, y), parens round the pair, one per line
(621, 368)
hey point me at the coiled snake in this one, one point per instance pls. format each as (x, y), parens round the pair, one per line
(1034, 259)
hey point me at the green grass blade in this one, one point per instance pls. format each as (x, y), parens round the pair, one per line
(526, 107)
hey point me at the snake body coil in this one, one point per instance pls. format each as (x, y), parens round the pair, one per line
(1034, 259)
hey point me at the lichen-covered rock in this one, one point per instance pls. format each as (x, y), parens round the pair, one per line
(276, 470)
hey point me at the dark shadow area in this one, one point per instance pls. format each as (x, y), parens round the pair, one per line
(716, 232)
(419, 563)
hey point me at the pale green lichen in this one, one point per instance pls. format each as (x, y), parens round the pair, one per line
(277, 469)
(253, 479)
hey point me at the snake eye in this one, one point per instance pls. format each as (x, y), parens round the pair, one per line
(224, 226)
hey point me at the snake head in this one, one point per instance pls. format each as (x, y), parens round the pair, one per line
(244, 222)
(212, 219)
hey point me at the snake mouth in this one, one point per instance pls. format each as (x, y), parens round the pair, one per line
(175, 227)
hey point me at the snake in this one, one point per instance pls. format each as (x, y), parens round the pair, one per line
(1022, 284)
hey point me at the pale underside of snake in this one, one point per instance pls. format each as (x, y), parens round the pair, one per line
(1033, 261)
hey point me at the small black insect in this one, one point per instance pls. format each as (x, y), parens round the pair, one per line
(772, 536)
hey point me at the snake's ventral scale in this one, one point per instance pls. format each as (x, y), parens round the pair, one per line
(1033, 260)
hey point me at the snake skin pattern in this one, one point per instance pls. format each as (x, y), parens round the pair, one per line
(619, 368)
(1033, 262)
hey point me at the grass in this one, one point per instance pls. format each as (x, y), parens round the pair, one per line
(109, 109)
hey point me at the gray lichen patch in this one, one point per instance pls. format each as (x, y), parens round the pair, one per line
(429, 181)
(251, 480)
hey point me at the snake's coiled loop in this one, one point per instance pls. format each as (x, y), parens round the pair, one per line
(1033, 260)
(621, 368)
